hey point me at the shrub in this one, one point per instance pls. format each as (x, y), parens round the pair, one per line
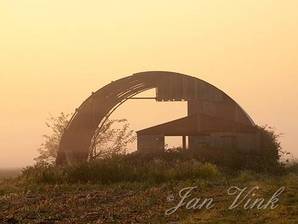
(263, 159)
(293, 167)
(43, 173)
(122, 169)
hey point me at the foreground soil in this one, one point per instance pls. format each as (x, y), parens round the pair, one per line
(144, 202)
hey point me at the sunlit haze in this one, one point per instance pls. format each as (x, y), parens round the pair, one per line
(53, 54)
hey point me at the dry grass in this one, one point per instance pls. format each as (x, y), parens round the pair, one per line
(143, 202)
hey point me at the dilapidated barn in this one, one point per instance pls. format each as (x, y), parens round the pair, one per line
(213, 117)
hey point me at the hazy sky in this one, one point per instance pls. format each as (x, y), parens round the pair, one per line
(53, 54)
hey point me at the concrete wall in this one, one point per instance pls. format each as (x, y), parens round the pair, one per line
(150, 143)
(243, 141)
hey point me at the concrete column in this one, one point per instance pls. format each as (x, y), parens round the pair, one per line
(184, 142)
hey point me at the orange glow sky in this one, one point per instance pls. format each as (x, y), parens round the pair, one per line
(54, 53)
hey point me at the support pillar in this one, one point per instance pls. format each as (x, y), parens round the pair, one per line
(184, 142)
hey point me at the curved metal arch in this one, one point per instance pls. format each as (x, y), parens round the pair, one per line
(76, 140)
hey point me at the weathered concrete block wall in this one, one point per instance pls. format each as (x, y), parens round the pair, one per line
(243, 141)
(150, 143)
